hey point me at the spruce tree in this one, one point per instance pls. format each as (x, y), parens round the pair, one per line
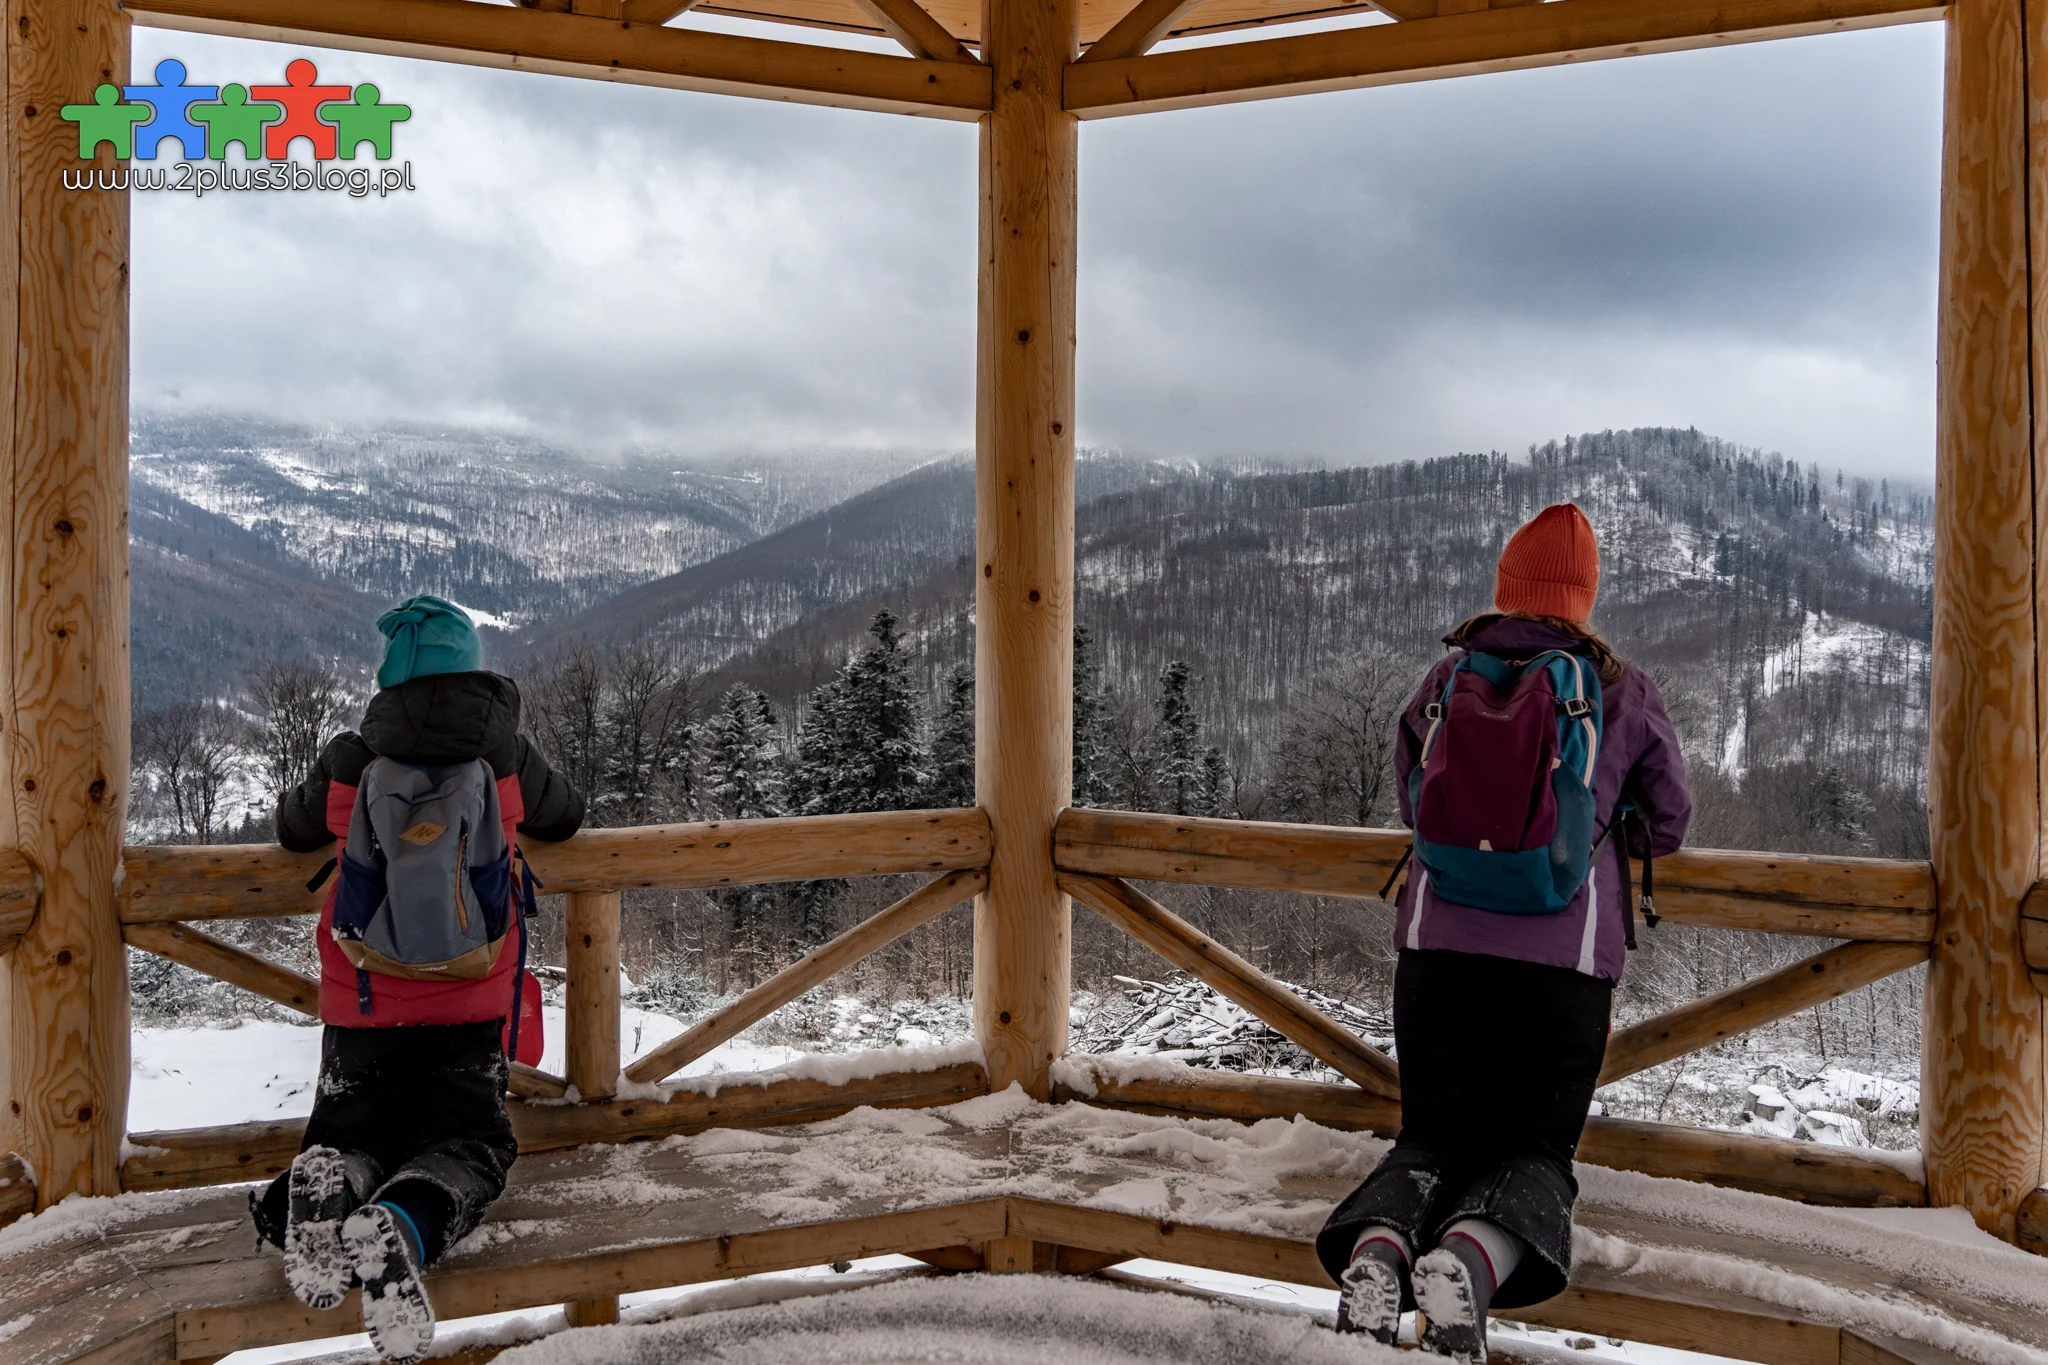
(743, 757)
(1091, 708)
(862, 747)
(1177, 759)
(953, 742)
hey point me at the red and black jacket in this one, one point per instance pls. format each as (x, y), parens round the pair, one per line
(439, 719)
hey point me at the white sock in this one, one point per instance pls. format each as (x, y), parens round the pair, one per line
(1502, 1249)
(1379, 1232)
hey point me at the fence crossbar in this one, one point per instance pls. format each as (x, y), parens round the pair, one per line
(1703, 1022)
(871, 935)
(1244, 985)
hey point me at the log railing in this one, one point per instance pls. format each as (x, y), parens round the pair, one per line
(1884, 908)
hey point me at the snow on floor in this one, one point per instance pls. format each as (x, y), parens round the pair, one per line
(967, 1321)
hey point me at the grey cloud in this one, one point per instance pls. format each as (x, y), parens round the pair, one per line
(1740, 239)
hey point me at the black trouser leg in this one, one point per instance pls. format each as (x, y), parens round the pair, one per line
(425, 1103)
(1499, 1060)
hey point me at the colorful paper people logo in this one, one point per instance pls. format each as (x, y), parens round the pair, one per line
(203, 121)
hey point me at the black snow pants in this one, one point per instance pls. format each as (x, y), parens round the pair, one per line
(426, 1104)
(1499, 1059)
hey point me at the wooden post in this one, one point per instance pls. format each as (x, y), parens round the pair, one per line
(592, 1041)
(1024, 535)
(1982, 1111)
(64, 671)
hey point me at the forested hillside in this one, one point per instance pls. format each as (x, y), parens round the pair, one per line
(256, 539)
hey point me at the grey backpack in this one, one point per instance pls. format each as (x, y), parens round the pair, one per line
(426, 875)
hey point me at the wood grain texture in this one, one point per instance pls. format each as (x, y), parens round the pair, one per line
(2032, 1223)
(577, 45)
(1024, 535)
(1726, 1014)
(167, 883)
(1140, 30)
(17, 1188)
(187, 1158)
(590, 934)
(921, 906)
(21, 895)
(65, 720)
(1514, 39)
(1195, 953)
(1981, 1074)
(1802, 1171)
(1875, 899)
(914, 29)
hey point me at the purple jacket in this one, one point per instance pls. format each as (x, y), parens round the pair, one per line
(1638, 756)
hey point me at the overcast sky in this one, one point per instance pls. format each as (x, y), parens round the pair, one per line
(1741, 240)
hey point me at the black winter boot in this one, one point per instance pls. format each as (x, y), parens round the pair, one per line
(1370, 1292)
(325, 1186)
(1453, 1289)
(396, 1313)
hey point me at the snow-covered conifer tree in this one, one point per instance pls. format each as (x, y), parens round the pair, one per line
(1091, 756)
(743, 775)
(953, 742)
(862, 745)
(1177, 742)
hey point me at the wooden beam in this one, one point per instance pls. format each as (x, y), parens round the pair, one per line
(912, 26)
(1569, 31)
(591, 1037)
(1983, 1108)
(229, 881)
(459, 1293)
(1195, 953)
(64, 671)
(1802, 1171)
(21, 895)
(657, 11)
(1024, 534)
(17, 1188)
(1778, 1338)
(1876, 899)
(576, 45)
(1139, 30)
(206, 954)
(2034, 934)
(2032, 1230)
(1725, 1014)
(926, 903)
(190, 1157)
(590, 935)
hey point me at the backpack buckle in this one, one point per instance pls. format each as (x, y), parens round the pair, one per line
(1433, 711)
(1575, 707)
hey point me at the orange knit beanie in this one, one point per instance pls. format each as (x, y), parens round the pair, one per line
(1551, 567)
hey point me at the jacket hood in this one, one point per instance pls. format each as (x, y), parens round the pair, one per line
(443, 718)
(1514, 636)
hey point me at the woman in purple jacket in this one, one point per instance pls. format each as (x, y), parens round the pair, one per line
(1501, 1020)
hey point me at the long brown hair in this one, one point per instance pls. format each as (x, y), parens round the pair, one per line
(1606, 662)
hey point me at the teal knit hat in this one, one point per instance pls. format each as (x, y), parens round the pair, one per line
(427, 635)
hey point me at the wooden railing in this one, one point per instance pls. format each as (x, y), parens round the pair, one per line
(1885, 909)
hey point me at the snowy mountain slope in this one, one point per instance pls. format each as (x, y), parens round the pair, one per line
(256, 539)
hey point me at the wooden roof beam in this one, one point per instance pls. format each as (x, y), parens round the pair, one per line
(518, 39)
(1566, 31)
(912, 25)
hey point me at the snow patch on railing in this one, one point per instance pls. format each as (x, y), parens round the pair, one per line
(837, 1068)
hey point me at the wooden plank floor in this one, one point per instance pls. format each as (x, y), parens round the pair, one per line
(162, 1277)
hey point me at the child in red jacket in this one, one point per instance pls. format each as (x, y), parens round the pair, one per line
(409, 1140)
